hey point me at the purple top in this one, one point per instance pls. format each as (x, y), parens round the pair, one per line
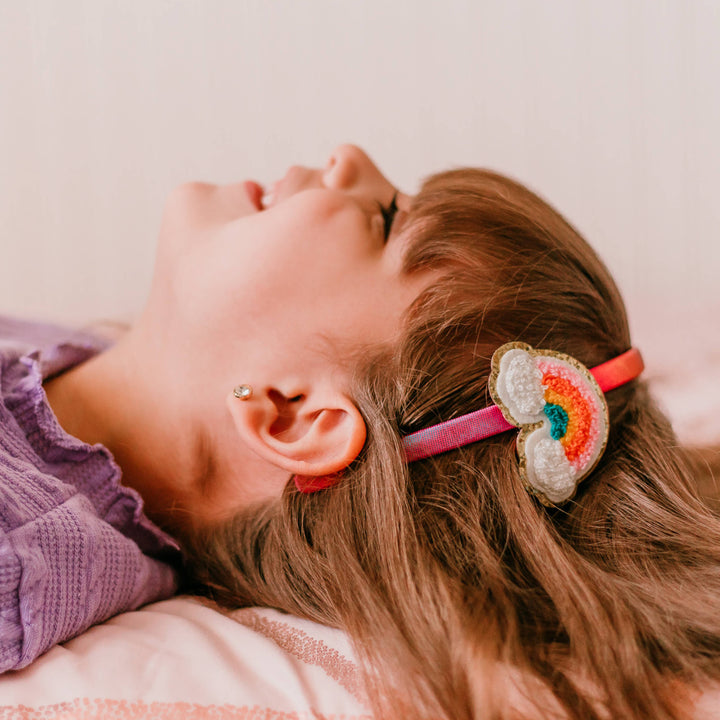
(75, 546)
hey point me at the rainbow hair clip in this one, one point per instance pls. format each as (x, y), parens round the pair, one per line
(559, 406)
(561, 412)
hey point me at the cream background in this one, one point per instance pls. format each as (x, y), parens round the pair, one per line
(609, 108)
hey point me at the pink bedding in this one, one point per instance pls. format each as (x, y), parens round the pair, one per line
(182, 659)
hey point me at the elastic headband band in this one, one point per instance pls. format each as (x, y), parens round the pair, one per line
(489, 421)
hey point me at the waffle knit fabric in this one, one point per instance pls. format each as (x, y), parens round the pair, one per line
(75, 546)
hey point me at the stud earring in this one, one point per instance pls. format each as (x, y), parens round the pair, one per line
(242, 392)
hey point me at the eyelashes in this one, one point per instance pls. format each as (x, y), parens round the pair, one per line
(388, 215)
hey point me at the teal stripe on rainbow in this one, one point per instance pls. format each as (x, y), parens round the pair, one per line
(558, 420)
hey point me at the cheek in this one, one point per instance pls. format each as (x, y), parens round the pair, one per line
(306, 265)
(365, 309)
(305, 250)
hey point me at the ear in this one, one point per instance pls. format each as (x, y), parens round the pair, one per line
(315, 432)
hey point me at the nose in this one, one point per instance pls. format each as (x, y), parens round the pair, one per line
(349, 168)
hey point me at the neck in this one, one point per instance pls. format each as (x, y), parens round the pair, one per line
(124, 401)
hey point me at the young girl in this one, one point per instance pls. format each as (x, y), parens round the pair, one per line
(282, 407)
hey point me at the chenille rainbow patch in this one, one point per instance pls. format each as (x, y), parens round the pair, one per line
(561, 412)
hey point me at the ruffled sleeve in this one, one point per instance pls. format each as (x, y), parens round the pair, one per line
(75, 545)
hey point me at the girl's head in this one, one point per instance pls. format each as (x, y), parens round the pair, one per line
(281, 293)
(295, 293)
(445, 571)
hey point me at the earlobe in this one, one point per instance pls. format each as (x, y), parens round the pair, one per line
(318, 432)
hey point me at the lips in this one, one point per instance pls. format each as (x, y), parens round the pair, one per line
(255, 192)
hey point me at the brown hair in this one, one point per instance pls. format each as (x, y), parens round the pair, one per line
(456, 586)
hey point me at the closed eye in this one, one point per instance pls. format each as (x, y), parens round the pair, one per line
(388, 215)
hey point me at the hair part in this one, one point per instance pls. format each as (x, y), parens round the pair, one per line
(464, 597)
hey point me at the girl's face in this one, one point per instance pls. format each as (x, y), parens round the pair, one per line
(260, 280)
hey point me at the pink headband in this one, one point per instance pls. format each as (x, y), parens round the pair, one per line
(557, 403)
(490, 421)
(559, 406)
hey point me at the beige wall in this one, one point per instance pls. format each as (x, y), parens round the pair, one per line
(610, 108)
